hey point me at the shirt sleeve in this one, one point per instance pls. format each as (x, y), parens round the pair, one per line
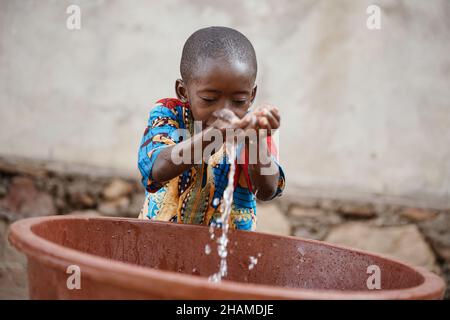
(161, 132)
(281, 178)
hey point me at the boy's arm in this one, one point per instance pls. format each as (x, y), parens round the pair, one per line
(265, 175)
(165, 168)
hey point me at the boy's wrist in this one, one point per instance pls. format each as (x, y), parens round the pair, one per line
(257, 149)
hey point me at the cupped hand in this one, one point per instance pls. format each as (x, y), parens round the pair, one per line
(267, 117)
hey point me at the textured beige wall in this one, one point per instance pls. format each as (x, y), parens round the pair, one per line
(365, 113)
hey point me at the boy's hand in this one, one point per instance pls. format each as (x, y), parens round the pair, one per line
(262, 117)
(267, 117)
(226, 119)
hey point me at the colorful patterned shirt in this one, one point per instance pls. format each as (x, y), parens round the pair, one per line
(195, 195)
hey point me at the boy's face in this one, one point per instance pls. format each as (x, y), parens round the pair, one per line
(218, 84)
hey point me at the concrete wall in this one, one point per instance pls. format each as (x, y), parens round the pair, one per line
(365, 113)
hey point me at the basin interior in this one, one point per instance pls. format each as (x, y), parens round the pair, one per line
(281, 261)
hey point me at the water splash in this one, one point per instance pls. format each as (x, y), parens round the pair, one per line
(225, 209)
(253, 262)
(211, 230)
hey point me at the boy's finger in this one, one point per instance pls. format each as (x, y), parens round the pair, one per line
(274, 123)
(264, 123)
(218, 123)
(243, 123)
(276, 113)
(246, 121)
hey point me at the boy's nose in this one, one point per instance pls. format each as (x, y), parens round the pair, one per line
(228, 105)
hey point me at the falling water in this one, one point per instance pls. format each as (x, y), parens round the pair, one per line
(253, 262)
(225, 209)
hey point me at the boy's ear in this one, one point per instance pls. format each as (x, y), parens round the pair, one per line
(181, 90)
(253, 96)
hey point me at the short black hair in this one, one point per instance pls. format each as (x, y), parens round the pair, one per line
(216, 42)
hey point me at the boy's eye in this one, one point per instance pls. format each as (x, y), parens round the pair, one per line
(208, 99)
(240, 102)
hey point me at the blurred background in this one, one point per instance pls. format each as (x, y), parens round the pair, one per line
(365, 133)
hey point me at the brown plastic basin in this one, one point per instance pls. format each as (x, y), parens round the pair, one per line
(136, 259)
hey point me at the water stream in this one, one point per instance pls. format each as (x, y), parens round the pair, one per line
(225, 209)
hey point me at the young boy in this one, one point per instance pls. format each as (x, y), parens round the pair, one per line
(216, 90)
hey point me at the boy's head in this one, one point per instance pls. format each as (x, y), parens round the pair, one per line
(218, 69)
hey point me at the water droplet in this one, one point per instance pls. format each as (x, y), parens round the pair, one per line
(253, 262)
(207, 249)
(225, 209)
(301, 251)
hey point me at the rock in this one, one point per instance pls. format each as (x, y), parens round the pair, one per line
(116, 189)
(300, 214)
(21, 190)
(13, 281)
(116, 207)
(137, 201)
(296, 200)
(355, 210)
(56, 186)
(418, 215)
(3, 231)
(271, 219)
(446, 275)
(41, 205)
(77, 185)
(82, 200)
(297, 212)
(310, 231)
(401, 242)
(388, 219)
(437, 231)
(3, 188)
(312, 223)
(61, 205)
(86, 200)
(17, 166)
(24, 199)
(13, 275)
(329, 204)
(442, 251)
